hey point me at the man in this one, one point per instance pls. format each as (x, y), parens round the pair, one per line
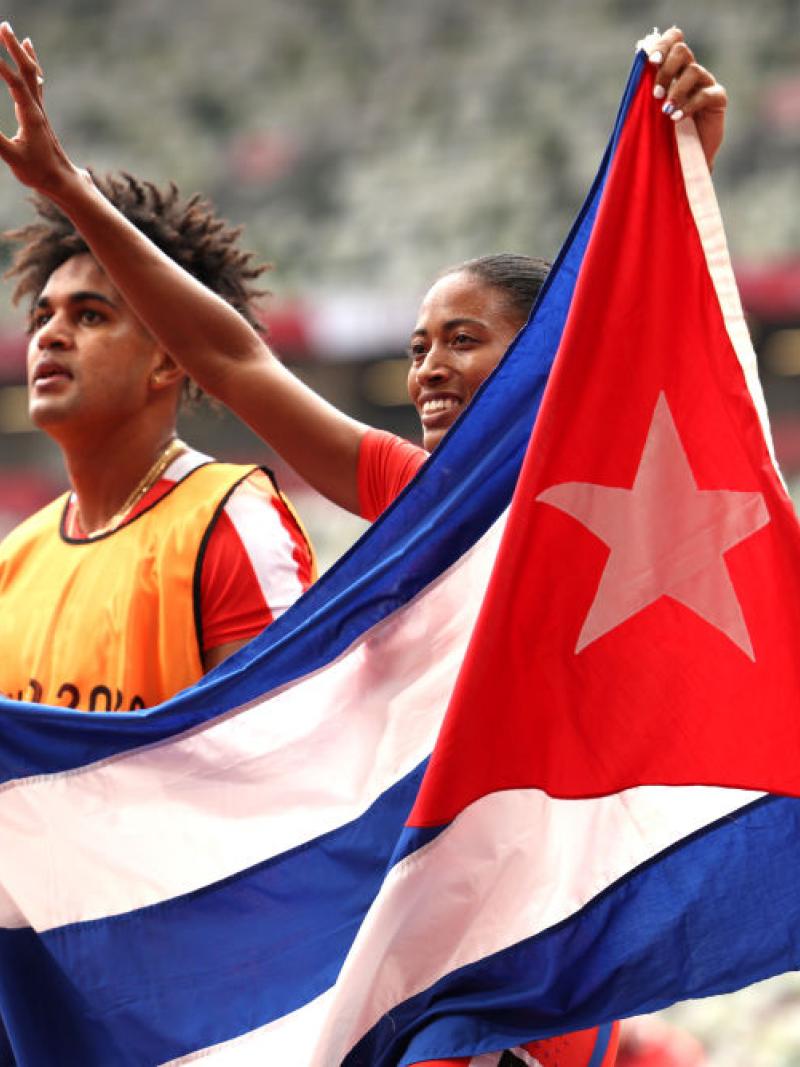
(160, 562)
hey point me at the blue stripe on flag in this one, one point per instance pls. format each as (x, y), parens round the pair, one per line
(646, 925)
(258, 945)
(414, 838)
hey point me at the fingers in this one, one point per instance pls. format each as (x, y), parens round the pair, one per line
(12, 45)
(24, 96)
(34, 154)
(696, 97)
(13, 81)
(684, 86)
(24, 57)
(27, 44)
(661, 47)
(25, 88)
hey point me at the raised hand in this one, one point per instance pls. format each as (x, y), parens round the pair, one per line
(686, 88)
(34, 154)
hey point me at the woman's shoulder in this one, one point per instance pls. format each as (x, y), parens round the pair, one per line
(386, 464)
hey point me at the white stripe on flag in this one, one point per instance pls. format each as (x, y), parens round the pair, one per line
(149, 825)
(521, 855)
(280, 1042)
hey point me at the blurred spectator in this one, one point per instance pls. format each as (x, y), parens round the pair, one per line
(650, 1042)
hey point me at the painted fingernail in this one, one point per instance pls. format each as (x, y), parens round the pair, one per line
(656, 57)
(39, 79)
(676, 116)
(668, 108)
(659, 92)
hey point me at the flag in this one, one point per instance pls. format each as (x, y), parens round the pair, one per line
(523, 762)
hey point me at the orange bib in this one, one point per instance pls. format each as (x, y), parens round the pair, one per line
(109, 624)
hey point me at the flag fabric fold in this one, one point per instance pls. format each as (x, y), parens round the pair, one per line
(523, 762)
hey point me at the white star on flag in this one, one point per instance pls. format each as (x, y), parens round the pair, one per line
(667, 537)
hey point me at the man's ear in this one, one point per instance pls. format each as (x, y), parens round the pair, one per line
(165, 372)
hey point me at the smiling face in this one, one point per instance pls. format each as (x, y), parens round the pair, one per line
(463, 330)
(89, 357)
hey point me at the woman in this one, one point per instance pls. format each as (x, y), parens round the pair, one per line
(465, 323)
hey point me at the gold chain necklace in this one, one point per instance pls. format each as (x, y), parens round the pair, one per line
(169, 452)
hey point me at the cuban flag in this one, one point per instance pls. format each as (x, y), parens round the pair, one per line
(523, 762)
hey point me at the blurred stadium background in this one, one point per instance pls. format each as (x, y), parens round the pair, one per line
(364, 145)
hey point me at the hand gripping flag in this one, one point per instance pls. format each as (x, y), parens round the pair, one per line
(511, 768)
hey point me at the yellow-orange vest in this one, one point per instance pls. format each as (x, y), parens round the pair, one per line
(109, 624)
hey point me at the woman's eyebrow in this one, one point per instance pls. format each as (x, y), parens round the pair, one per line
(449, 325)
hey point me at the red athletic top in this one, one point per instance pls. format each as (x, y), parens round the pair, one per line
(386, 464)
(257, 560)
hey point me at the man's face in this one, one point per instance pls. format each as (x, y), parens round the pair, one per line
(89, 357)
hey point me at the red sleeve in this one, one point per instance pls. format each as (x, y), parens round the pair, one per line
(257, 562)
(386, 464)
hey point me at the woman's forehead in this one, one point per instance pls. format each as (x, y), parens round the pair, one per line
(462, 296)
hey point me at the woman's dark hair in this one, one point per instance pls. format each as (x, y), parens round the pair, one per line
(519, 277)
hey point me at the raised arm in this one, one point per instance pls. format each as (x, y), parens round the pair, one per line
(200, 330)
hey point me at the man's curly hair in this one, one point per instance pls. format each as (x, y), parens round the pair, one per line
(187, 230)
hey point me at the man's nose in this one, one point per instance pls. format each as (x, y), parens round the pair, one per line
(55, 334)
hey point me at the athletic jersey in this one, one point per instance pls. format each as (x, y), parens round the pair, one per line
(120, 621)
(256, 562)
(386, 464)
